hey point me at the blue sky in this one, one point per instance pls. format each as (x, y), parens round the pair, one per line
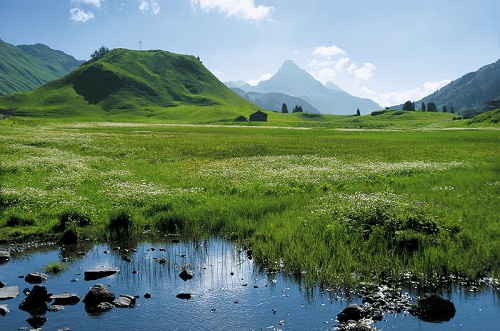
(388, 50)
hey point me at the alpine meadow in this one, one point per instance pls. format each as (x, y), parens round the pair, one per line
(145, 143)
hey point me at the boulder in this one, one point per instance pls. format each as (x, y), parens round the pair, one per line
(56, 307)
(361, 325)
(9, 292)
(4, 310)
(2, 283)
(36, 301)
(35, 278)
(186, 274)
(352, 313)
(100, 273)
(65, 299)
(434, 308)
(97, 294)
(4, 256)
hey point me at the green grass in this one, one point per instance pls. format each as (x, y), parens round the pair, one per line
(335, 206)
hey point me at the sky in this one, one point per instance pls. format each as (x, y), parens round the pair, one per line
(387, 50)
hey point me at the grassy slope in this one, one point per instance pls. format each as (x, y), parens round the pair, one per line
(132, 85)
(27, 67)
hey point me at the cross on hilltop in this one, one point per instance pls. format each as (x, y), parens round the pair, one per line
(140, 45)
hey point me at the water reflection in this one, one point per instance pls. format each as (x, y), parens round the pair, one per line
(229, 290)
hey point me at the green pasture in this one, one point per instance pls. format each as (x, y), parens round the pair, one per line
(413, 199)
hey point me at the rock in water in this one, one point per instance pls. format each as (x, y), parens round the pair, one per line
(4, 256)
(4, 310)
(35, 278)
(65, 299)
(36, 301)
(99, 273)
(98, 293)
(434, 308)
(9, 292)
(353, 312)
(186, 274)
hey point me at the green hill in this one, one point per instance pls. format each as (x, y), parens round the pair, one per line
(133, 83)
(25, 67)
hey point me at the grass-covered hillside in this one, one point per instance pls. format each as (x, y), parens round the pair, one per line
(133, 84)
(25, 67)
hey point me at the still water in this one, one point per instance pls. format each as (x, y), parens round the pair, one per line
(230, 291)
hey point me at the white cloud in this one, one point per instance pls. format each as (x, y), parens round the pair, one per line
(400, 97)
(328, 51)
(261, 78)
(79, 15)
(365, 72)
(245, 9)
(96, 3)
(150, 5)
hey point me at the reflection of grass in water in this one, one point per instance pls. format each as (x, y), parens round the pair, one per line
(340, 206)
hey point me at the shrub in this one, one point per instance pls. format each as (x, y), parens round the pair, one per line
(72, 218)
(14, 221)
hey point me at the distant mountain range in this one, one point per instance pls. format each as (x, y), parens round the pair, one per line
(137, 83)
(292, 81)
(469, 93)
(25, 67)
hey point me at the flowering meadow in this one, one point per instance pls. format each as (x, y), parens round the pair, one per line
(333, 206)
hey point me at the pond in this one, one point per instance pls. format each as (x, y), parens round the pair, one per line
(229, 291)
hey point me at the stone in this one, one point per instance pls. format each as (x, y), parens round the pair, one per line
(37, 321)
(124, 301)
(35, 278)
(434, 308)
(56, 307)
(2, 283)
(65, 299)
(147, 295)
(36, 301)
(185, 296)
(186, 274)
(4, 310)
(9, 292)
(97, 294)
(352, 312)
(4, 256)
(100, 308)
(99, 273)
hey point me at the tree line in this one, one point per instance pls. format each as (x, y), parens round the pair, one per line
(296, 109)
(430, 107)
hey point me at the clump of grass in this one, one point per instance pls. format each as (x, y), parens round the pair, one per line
(55, 267)
(120, 225)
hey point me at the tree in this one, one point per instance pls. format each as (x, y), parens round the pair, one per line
(423, 106)
(445, 109)
(98, 53)
(297, 109)
(431, 107)
(358, 113)
(284, 108)
(452, 110)
(409, 105)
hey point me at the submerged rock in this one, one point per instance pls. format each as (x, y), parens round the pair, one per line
(434, 308)
(37, 321)
(353, 313)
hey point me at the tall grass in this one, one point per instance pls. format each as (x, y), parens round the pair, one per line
(331, 206)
